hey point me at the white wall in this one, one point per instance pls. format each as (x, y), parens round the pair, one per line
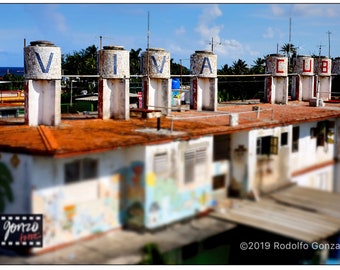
(309, 154)
(240, 169)
(279, 163)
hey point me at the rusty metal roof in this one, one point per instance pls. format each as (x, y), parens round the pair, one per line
(82, 134)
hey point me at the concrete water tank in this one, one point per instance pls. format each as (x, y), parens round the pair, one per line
(42, 61)
(114, 62)
(203, 64)
(323, 66)
(156, 63)
(277, 65)
(304, 65)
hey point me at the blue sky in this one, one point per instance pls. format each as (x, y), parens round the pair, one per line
(239, 31)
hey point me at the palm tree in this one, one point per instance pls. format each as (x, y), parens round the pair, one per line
(239, 67)
(289, 49)
(135, 61)
(259, 66)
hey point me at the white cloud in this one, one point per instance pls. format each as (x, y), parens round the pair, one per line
(180, 30)
(57, 19)
(305, 10)
(47, 18)
(206, 27)
(272, 33)
(235, 49)
(315, 10)
(277, 10)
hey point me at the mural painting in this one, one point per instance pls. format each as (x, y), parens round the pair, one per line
(166, 203)
(69, 222)
(134, 214)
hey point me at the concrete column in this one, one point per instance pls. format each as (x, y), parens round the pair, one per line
(303, 82)
(323, 66)
(276, 86)
(156, 80)
(42, 83)
(114, 83)
(203, 87)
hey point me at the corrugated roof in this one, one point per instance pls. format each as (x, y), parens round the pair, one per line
(284, 220)
(81, 134)
(300, 213)
(322, 202)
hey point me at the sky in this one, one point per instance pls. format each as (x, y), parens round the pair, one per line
(243, 31)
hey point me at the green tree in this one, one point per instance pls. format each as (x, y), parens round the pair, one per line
(259, 66)
(135, 59)
(83, 62)
(17, 82)
(178, 69)
(289, 49)
(239, 67)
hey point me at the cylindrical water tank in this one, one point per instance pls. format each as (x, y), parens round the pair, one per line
(156, 63)
(323, 66)
(277, 65)
(114, 62)
(304, 65)
(203, 64)
(42, 61)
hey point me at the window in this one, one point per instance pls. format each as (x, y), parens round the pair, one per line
(219, 181)
(295, 139)
(189, 166)
(78, 170)
(161, 164)
(72, 171)
(221, 147)
(194, 164)
(267, 145)
(284, 138)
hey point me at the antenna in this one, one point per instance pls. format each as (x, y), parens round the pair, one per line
(319, 46)
(148, 43)
(290, 30)
(290, 40)
(212, 44)
(101, 41)
(146, 87)
(329, 43)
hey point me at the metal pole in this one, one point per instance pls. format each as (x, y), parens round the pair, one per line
(71, 93)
